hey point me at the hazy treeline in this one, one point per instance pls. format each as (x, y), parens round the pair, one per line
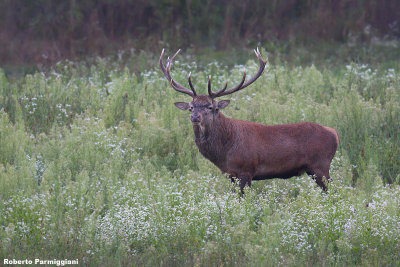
(40, 31)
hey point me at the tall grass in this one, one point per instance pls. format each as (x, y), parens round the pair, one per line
(97, 164)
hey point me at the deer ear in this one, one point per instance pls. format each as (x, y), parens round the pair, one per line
(182, 105)
(222, 104)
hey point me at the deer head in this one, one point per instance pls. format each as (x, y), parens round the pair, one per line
(205, 108)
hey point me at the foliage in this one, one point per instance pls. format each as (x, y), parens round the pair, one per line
(96, 163)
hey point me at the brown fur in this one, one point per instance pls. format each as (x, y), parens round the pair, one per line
(252, 151)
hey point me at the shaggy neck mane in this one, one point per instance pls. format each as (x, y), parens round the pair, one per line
(215, 139)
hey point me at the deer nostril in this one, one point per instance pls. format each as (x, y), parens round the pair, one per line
(195, 118)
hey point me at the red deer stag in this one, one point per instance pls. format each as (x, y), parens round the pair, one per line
(250, 151)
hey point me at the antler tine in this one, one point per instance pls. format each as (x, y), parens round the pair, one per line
(258, 54)
(223, 89)
(166, 70)
(231, 90)
(242, 84)
(210, 93)
(214, 95)
(260, 70)
(190, 83)
(176, 53)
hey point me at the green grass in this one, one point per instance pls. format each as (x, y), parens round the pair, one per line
(97, 164)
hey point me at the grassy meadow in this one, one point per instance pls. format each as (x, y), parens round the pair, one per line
(97, 164)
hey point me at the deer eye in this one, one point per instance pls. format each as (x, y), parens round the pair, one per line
(210, 107)
(190, 108)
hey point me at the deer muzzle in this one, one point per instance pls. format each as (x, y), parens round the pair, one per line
(195, 118)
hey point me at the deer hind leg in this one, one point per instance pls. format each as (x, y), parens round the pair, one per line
(243, 181)
(322, 182)
(321, 173)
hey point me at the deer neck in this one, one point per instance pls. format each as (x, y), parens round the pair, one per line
(215, 139)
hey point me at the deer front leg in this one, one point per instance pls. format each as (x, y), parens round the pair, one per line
(243, 180)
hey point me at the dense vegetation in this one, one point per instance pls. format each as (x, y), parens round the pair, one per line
(97, 164)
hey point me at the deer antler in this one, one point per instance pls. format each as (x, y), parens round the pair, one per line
(242, 84)
(180, 88)
(167, 72)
